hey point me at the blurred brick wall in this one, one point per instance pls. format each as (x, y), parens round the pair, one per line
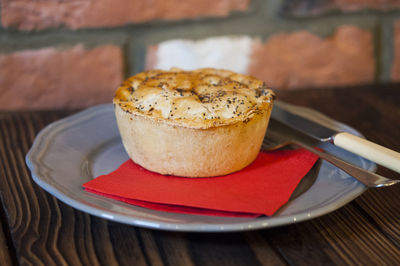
(73, 54)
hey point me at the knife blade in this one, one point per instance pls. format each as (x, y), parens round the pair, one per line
(388, 158)
(302, 124)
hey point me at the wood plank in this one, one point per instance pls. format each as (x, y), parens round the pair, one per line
(7, 251)
(263, 249)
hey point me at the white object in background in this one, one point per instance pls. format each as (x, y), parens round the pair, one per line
(231, 53)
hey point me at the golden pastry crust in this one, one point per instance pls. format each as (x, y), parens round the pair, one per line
(199, 123)
(202, 98)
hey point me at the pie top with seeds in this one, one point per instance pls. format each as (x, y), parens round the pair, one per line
(202, 98)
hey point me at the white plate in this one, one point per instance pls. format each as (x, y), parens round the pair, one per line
(78, 148)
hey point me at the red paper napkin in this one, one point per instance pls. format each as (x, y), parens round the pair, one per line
(259, 189)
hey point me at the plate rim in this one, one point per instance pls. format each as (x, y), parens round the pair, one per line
(42, 141)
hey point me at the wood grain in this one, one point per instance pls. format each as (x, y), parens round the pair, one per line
(45, 231)
(6, 258)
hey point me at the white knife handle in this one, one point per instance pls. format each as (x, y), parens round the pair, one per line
(368, 150)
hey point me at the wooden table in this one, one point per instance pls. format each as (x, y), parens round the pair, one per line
(37, 229)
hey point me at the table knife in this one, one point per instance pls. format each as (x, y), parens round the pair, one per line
(357, 145)
(280, 135)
